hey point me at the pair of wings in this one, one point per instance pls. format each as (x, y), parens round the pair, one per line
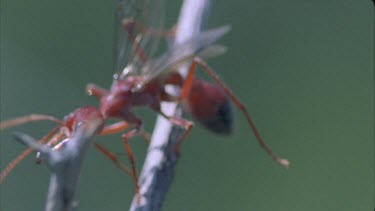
(146, 18)
(140, 29)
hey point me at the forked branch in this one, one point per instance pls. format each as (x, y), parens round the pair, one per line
(64, 164)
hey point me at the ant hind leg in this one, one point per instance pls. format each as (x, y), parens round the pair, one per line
(284, 162)
(185, 124)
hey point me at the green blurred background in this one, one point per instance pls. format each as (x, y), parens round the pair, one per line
(305, 70)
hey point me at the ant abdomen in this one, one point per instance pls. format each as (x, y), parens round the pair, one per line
(208, 104)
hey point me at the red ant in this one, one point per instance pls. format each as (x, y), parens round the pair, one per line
(132, 91)
(208, 103)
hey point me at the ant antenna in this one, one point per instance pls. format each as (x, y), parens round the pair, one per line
(26, 119)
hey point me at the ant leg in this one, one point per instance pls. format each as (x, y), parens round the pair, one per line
(284, 162)
(54, 141)
(96, 91)
(57, 143)
(165, 97)
(174, 78)
(185, 91)
(111, 129)
(129, 152)
(145, 135)
(23, 155)
(114, 128)
(129, 25)
(131, 118)
(120, 126)
(187, 125)
(26, 119)
(111, 156)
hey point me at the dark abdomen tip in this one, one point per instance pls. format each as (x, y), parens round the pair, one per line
(222, 122)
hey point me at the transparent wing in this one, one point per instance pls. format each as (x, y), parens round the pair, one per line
(184, 52)
(139, 25)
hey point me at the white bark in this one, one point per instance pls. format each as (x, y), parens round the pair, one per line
(160, 163)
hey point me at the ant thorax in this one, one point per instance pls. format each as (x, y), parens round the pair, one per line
(123, 96)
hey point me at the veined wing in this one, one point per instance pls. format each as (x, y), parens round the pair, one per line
(184, 52)
(139, 29)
